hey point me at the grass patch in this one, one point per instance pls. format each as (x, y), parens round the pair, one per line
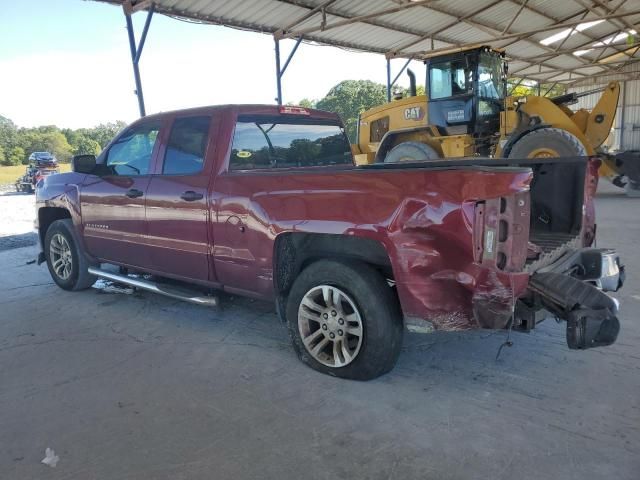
(9, 175)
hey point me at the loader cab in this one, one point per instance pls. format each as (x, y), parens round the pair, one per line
(466, 91)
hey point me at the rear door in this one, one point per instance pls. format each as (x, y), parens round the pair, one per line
(113, 201)
(177, 202)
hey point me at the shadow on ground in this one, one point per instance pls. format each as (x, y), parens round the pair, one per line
(17, 241)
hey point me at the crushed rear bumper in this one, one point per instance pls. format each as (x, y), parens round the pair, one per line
(573, 289)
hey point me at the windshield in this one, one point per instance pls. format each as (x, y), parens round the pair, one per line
(490, 83)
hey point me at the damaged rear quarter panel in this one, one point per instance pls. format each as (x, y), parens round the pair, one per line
(423, 218)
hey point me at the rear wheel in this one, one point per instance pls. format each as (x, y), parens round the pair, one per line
(344, 320)
(67, 263)
(548, 143)
(411, 152)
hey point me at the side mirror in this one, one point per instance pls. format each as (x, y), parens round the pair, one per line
(83, 163)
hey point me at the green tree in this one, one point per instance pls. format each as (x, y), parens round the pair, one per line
(104, 132)
(306, 103)
(17, 156)
(518, 88)
(86, 146)
(349, 98)
(11, 157)
(8, 133)
(47, 140)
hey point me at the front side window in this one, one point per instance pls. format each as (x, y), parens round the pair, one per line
(448, 79)
(186, 146)
(131, 153)
(265, 144)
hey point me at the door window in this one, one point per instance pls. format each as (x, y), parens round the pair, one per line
(490, 77)
(448, 79)
(131, 153)
(265, 144)
(186, 146)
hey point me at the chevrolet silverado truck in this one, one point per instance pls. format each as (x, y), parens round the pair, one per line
(267, 202)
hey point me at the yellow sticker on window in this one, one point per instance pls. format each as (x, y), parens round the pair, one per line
(243, 154)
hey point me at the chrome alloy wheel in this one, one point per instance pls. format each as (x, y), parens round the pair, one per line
(330, 326)
(60, 255)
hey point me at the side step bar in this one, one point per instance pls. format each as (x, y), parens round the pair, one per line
(191, 296)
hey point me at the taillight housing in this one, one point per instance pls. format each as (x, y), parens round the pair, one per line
(501, 232)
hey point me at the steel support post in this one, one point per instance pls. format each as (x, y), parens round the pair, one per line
(136, 52)
(388, 80)
(278, 76)
(280, 71)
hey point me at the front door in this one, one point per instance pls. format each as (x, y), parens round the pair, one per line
(177, 202)
(113, 200)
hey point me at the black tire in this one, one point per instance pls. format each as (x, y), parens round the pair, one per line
(548, 142)
(411, 152)
(79, 277)
(378, 309)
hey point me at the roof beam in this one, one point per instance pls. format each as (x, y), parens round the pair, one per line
(360, 18)
(560, 20)
(431, 35)
(524, 4)
(598, 3)
(490, 29)
(570, 51)
(306, 16)
(548, 28)
(557, 20)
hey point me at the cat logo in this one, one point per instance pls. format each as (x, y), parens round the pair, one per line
(413, 113)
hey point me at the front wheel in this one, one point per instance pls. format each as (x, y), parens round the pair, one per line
(67, 263)
(548, 143)
(344, 320)
(411, 152)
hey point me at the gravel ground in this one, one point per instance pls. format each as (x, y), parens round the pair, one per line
(138, 386)
(17, 213)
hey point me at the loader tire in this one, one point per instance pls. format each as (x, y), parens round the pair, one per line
(411, 152)
(548, 143)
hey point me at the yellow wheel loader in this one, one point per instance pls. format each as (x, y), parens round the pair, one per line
(467, 112)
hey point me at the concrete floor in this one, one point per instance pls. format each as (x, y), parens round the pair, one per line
(140, 386)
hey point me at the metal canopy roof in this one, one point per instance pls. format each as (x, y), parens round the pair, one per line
(414, 28)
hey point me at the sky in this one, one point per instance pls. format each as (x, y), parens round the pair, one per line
(67, 63)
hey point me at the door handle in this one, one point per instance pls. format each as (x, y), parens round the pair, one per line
(191, 196)
(134, 193)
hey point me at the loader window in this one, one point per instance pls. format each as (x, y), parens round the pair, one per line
(265, 144)
(448, 79)
(490, 84)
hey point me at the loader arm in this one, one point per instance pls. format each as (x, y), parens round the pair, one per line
(600, 119)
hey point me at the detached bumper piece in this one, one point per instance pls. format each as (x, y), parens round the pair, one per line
(573, 289)
(590, 313)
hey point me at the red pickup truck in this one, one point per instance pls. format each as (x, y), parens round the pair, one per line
(266, 201)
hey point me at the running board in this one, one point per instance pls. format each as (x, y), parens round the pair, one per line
(191, 296)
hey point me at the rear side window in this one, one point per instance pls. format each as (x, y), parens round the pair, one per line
(186, 146)
(265, 144)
